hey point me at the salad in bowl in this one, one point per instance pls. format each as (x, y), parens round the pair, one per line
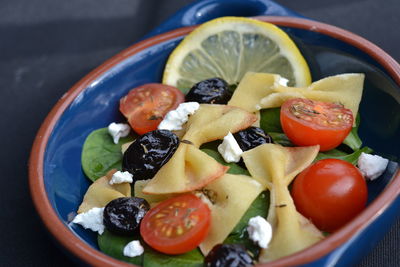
(221, 159)
(237, 158)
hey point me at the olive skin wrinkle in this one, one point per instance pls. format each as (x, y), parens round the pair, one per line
(228, 255)
(123, 215)
(147, 154)
(210, 91)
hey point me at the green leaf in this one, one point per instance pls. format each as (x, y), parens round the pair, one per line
(270, 120)
(280, 138)
(335, 153)
(259, 207)
(239, 234)
(113, 245)
(352, 158)
(100, 154)
(232, 87)
(192, 258)
(211, 150)
(353, 140)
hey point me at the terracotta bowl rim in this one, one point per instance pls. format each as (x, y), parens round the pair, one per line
(96, 258)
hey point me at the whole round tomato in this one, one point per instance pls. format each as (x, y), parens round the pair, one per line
(176, 225)
(330, 193)
(145, 106)
(307, 122)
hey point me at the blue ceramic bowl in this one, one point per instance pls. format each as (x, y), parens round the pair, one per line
(58, 183)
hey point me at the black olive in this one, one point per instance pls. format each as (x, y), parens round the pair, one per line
(123, 215)
(210, 91)
(228, 255)
(251, 137)
(147, 154)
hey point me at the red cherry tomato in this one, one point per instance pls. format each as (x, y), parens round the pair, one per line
(330, 193)
(176, 225)
(307, 122)
(145, 106)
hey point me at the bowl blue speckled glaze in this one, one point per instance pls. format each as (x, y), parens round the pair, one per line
(58, 184)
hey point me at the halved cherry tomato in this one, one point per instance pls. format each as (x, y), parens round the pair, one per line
(307, 122)
(176, 225)
(145, 106)
(330, 193)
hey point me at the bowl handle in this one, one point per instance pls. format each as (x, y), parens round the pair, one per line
(203, 10)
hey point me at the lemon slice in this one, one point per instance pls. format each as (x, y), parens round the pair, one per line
(228, 47)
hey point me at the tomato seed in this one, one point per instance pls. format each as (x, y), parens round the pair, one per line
(169, 232)
(179, 230)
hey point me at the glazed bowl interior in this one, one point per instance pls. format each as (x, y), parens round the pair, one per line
(96, 98)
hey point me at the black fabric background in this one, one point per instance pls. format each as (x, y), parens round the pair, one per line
(48, 45)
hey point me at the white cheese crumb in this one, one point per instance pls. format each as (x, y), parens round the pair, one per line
(371, 166)
(121, 177)
(230, 149)
(176, 118)
(133, 249)
(92, 219)
(260, 231)
(118, 130)
(283, 81)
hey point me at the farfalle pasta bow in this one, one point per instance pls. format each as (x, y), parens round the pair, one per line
(186, 170)
(263, 90)
(275, 166)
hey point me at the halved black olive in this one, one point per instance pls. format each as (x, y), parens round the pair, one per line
(210, 91)
(251, 137)
(123, 215)
(147, 154)
(228, 255)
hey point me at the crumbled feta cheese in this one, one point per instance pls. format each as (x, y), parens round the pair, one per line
(371, 166)
(176, 118)
(92, 219)
(133, 249)
(230, 149)
(118, 130)
(283, 81)
(260, 231)
(121, 177)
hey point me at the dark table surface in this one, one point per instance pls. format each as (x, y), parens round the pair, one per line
(46, 46)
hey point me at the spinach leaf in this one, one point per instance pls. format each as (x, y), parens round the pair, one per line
(192, 258)
(280, 138)
(353, 140)
(334, 153)
(270, 120)
(239, 235)
(113, 245)
(211, 150)
(100, 154)
(259, 207)
(352, 158)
